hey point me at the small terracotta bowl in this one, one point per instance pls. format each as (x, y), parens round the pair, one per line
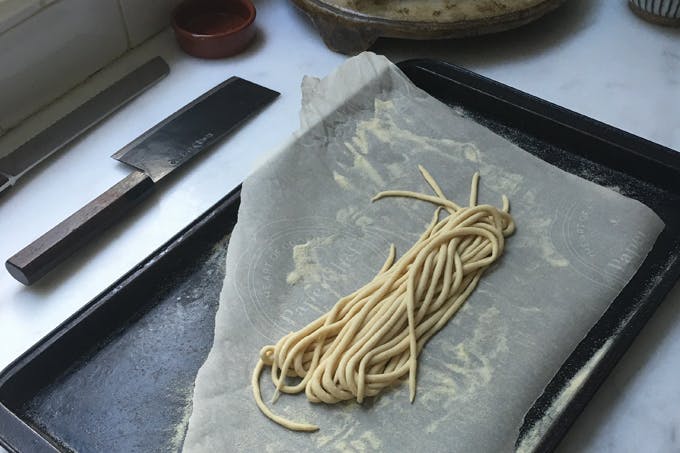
(214, 28)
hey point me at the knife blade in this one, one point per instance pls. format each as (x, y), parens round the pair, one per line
(154, 155)
(79, 121)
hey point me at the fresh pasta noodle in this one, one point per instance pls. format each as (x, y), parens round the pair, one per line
(371, 338)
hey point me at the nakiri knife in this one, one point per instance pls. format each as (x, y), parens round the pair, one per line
(155, 154)
(79, 121)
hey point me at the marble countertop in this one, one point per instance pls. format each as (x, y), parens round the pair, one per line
(593, 57)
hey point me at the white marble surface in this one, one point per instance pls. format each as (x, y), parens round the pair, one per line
(590, 56)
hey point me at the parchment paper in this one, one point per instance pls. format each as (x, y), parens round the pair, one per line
(308, 234)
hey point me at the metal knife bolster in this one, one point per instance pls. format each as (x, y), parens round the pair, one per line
(156, 153)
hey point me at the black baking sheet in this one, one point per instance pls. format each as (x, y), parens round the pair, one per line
(119, 374)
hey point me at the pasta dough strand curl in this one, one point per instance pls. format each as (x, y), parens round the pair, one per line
(371, 338)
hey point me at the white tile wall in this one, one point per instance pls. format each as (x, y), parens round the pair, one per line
(53, 50)
(145, 18)
(13, 12)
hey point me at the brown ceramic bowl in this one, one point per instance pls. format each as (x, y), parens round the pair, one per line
(214, 28)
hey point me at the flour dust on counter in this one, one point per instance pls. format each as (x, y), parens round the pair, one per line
(365, 128)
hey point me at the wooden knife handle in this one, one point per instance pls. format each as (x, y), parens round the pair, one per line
(43, 254)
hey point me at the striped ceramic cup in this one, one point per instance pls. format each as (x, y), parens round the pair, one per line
(665, 12)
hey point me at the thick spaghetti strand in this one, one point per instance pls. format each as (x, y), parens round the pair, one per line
(372, 338)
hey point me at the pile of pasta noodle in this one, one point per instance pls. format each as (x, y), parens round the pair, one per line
(372, 338)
